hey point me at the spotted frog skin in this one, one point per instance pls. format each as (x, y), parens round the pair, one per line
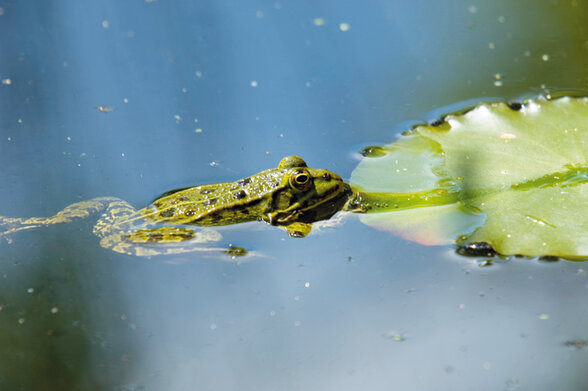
(292, 196)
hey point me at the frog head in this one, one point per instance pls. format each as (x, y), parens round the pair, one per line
(305, 193)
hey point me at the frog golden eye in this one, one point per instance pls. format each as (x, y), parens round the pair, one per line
(300, 179)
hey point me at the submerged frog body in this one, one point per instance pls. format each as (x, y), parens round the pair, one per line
(291, 195)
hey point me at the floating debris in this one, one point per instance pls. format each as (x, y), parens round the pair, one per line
(577, 343)
(235, 251)
(104, 109)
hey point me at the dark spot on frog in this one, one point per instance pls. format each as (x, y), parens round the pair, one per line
(210, 201)
(183, 198)
(327, 176)
(515, 106)
(276, 184)
(244, 181)
(155, 237)
(189, 213)
(207, 191)
(240, 194)
(214, 217)
(167, 213)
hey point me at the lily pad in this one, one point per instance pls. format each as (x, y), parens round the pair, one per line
(512, 176)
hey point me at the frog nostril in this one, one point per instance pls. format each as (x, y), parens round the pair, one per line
(327, 176)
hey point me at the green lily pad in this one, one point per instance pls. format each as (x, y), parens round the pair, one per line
(512, 176)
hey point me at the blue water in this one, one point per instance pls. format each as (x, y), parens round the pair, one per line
(203, 92)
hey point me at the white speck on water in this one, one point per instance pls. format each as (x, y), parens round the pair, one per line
(491, 45)
(307, 284)
(125, 100)
(497, 83)
(213, 326)
(54, 310)
(198, 74)
(545, 57)
(501, 19)
(544, 316)
(318, 22)
(344, 26)
(253, 83)
(472, 9)
(7, 81)
(105, 24)
(31, 290)
(272, 313)
(21, 320)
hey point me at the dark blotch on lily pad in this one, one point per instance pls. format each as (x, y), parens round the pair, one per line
(480, 249)
(515, 106)
(373, 151)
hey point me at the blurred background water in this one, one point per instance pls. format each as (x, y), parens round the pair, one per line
(134, 98)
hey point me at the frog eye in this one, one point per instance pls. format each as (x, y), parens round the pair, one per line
(300, 179)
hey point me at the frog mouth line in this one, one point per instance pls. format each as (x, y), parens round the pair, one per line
(329, 195)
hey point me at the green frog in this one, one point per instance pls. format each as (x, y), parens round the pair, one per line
(292, 196)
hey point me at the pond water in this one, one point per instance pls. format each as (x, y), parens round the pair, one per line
(131, 99)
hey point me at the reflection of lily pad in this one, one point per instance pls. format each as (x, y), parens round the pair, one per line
(513, 176)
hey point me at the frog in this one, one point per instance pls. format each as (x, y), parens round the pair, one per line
(292, 196)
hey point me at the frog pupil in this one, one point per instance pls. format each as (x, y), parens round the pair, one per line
(301, 179)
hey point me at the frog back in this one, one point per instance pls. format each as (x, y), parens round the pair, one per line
(219, 204)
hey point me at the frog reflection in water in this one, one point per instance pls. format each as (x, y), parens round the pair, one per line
(292, 196)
